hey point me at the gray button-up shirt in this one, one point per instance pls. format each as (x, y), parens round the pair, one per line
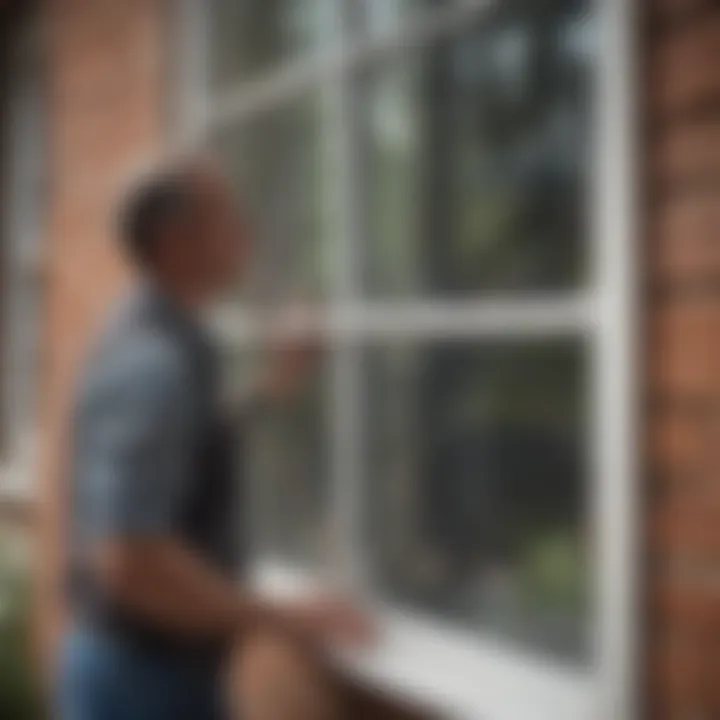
(152, 456)
(135, 429)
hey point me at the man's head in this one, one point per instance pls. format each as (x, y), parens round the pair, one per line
(179, 225)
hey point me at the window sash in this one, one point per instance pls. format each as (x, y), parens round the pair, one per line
(207, 113)
(605, 313)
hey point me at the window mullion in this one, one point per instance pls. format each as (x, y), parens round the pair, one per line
(346, 393)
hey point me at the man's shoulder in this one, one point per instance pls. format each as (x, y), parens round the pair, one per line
(134, 352)
(142, 356)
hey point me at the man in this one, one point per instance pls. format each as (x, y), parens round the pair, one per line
(153, 524)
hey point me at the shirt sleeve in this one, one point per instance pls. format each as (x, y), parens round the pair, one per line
(139, 442)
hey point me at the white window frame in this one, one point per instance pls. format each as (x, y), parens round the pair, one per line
(421, 656)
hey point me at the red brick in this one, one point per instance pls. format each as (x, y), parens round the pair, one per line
(675, 8)
(685, 68)
(683, 349)
(687, 152)
(680, 443)
(677, 679)
(690, 528)
(685, 237)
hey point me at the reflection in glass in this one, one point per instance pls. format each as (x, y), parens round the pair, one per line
(285, 467)
(281, 165)
(382, 16)
(476, 156)
(476, 478)
(254, 36)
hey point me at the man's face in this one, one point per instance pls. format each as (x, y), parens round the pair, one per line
(221, 245)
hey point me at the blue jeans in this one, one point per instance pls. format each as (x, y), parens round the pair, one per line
(101, 678)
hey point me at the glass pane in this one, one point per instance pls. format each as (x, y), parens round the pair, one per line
(253, 36)
(285, 467)
(476, 473)
(476, 158)
(24, 167)
(282, 165)
(382, 16)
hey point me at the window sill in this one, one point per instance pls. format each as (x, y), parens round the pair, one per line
(423, 661)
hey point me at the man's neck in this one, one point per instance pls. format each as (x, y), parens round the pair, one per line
(187, 296)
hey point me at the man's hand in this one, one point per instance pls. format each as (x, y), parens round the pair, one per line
(327, 622)
(202, 603)
(294, 348)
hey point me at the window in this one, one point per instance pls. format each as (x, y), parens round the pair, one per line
(436, 173)
(23, 154)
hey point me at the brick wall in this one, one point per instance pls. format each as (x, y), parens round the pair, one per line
(682, 54)
(106, 98)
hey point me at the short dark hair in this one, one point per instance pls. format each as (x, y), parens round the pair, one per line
(148, 206)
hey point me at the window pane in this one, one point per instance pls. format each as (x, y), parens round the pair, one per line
(476, 474)
(476, 159)
(282, 167)
(248, 37)
(285, 467)
(24, 170)
(382, 16)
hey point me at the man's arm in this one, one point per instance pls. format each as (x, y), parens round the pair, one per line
(141, 441)
(163, 581)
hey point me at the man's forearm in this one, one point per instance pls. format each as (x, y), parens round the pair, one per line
(171, 586)
(175, 589)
